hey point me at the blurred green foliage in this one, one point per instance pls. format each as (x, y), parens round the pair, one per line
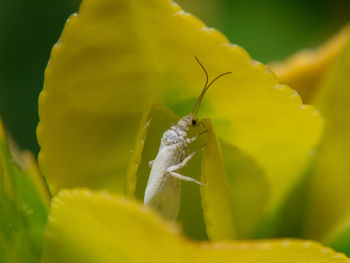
(28, 29)
(23, 209)
(269, 30)
(272, 29)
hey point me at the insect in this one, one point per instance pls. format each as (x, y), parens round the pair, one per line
(163, 186)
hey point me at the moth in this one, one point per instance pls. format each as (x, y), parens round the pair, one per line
(163, 187)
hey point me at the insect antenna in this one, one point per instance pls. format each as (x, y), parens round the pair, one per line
(206, 87)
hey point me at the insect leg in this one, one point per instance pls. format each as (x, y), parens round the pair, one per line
(189, 140)
(185, 178)
(182, 164)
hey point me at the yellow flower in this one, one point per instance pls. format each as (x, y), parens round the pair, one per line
(118, 65)
(323, 77)
(120, 74)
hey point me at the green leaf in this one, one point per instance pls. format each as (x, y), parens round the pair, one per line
(23, 208)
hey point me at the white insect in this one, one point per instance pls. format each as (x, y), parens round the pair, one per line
(163, 187)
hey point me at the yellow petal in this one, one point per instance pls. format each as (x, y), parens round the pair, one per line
(115, 55)
(249, 189)
(329, 212)
(136, 153)
(216, 195)
(304, 70)
(98, 227)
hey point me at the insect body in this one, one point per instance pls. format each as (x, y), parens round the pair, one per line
(163, 187)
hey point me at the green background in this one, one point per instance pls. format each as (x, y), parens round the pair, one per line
(269, 30)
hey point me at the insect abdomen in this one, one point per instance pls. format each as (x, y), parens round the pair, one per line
(163, 191)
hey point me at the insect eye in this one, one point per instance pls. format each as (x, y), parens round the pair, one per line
(194, 122)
